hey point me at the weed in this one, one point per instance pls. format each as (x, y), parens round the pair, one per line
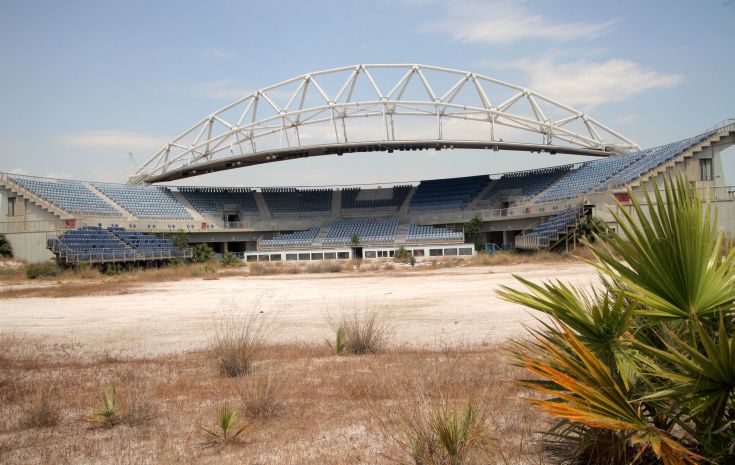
(262, 395)
(42, 270)
(226, 428)
(360, 332)
(238, 342)
(41, 412)
(107, 415)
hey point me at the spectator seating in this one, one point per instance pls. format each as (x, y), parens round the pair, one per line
(71, 196)
(212, 201)
(368, 230)
(550, 229)
(522, 184)
(375, 200)
(294, 239)
(94, 244)
(446, 194)
(287, 201)
(145, 202)
(428, 233)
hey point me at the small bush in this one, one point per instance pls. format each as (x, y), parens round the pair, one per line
(360, 332)
(6, 250)
(41, 412)
(136, 409)
(238, 342)
(445, 434)
(108, 414)
(229, 259)
(42, 270)
(201, 253)
(176, 262)
(111, 269)
(262, 396)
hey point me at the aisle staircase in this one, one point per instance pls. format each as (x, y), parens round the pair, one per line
(554, 232)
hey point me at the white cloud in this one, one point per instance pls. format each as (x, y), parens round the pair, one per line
(507, 21)
(112, 140)
(589, 83)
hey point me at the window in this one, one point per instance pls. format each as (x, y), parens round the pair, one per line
(436, 252)
(705, 169)
(465, 251)
(252, 258)
(418, 252)
(450, 251)
(291, 257)
(330, 256)
(343, 255)
(276, 257)
(317, 256)
(11, 206)
(369, 254)
(263, 258)
(304, 256)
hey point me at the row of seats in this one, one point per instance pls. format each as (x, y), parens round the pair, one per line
(212, 202)
(92, 243)
(447, 194)
(382, 199)
(294, 239)
(525, 184)
(617, 170)
(367, 230)
(551, 228)
(429, 233)
(285, 202)
(145, 202)
(71, 196)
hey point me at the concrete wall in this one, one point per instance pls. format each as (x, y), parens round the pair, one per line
(30, 245)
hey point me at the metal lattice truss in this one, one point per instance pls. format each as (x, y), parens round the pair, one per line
(361, 108)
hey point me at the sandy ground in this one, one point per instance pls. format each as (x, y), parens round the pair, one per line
(427, 307)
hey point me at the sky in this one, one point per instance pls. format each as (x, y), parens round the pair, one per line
(82, 84)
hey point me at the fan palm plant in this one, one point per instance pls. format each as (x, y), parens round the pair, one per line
(643, 369)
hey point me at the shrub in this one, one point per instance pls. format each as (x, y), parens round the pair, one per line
(360, 332)
(262, 396)
(238, 342)
(6, 250)
(445, 434)
(230, 259)
(202, 253)
(42, 270)
(41, 412)
(644, 366)
(111, 269)
(176, 262)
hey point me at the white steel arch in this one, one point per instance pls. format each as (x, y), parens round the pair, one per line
(269, 124)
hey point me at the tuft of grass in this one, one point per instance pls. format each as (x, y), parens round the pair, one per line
(136, 409)
(238, 342)
(445, 435)
(360, 332)
(227, 428)
(42, 270)
(262, 396)
(41, 412)
(107, 415)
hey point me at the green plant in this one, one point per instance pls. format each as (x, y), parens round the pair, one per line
(180, 239)
(108, 414)
(6, 250)
(591, 228)
(355, 240)
(445, 434)
(42, 270)
(227, 428)
(230, 259)
(176, 262)
(202, 253)
(402, 255)
(360, 332)
(111, 269)
(644, 368)
(473, 233)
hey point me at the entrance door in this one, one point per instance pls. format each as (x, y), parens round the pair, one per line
(357, 253)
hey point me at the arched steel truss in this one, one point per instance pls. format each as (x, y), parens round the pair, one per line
(268, 124)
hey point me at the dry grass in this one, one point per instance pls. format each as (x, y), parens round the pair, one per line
(262, 395)
(333, 410)
(41, 411)
(239, 340)
(360, 332)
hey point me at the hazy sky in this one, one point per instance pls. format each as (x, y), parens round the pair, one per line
(84, 83)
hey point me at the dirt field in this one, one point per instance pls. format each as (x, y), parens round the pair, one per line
(425, 307)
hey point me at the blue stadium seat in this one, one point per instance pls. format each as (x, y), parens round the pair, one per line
(71, 196)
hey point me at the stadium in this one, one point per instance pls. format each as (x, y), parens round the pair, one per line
(355, 111)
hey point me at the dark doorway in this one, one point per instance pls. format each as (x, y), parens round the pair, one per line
(357, 253)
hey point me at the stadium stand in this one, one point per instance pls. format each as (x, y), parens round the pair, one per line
(524, 184)
(445, 194)
(212, 201)
(95, 244)
(71, 196)
(428, 233)
(368, 230)
(145, 202)
(551, 229)
(294, 239)
(374, 200)
(286, 201)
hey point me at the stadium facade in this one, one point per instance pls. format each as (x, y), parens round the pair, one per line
(81, 221)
